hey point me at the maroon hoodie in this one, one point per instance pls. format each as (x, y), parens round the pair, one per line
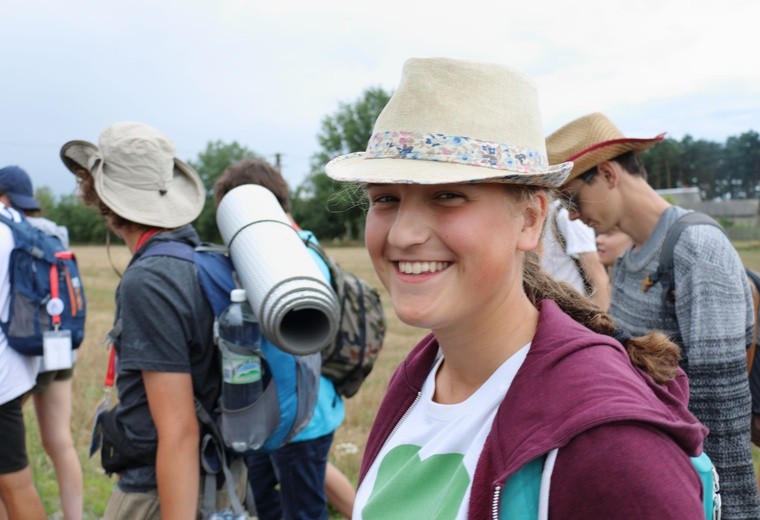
(625, 441)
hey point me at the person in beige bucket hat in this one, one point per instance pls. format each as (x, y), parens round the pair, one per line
(710, 314)
(135, 174)
(458, 179)
(163, 327)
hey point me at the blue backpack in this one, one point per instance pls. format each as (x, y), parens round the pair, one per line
(292, 383)
(41, 270)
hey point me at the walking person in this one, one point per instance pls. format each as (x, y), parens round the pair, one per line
(290, 483)
(518, 379)
(52, 392)
(163, 328)
(710, 314)
(18, 496)
(569, 254)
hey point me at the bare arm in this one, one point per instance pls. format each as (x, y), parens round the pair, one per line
(170, 399)
(596, 274)
(340, 492)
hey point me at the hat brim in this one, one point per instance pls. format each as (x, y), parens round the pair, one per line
(598, 153)
(357, 167)
(76, 156)
(23, 202)
(179, 205)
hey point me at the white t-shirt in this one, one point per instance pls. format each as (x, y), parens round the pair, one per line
(579, 239)
(426, 466)
(17, 373)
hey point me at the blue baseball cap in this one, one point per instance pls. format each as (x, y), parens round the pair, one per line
(17, 185)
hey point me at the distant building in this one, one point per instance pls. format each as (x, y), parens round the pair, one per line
(745, 211)
(684, 197)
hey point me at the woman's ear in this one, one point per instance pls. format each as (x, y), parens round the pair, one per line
(534, 215)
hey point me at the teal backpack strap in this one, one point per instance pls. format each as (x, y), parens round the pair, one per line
(710, 486)
(519, 497)
(526, 494)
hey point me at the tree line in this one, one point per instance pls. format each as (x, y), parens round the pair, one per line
(335, 211)
(729, 170)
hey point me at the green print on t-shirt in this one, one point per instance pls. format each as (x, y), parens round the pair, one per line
(407, 487)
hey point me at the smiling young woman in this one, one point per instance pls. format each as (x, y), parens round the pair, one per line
(520, 378)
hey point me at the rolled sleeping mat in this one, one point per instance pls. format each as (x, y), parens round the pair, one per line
(297, 309)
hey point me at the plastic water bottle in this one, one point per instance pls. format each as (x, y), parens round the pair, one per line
(240, 345)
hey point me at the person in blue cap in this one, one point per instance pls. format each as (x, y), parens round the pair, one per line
(16, 184)
(18, 496)
(52, 391)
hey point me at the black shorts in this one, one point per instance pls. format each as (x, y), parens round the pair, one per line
(12, 437)
(45, 378)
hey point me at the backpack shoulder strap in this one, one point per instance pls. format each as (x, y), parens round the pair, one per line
(330, 265)
(215, 271)
(526, 493)
(7, 221)
(310, 241)
(520, 496)
(34, 241)
(172, 248)
(665, 273)
(215, 274)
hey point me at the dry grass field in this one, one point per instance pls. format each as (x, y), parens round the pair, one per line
(100, 282)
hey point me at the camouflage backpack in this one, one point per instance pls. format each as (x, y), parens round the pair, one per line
(350, 357)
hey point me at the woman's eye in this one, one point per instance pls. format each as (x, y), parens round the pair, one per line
(448, 195)
(380, 199)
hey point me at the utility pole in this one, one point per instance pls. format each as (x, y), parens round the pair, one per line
(278, 161)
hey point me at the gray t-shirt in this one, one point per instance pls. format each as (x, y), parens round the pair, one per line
(163, 323)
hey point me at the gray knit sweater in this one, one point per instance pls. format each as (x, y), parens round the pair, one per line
(711, 320)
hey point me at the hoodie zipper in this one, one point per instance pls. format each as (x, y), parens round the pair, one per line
(403, 417)
(495, 503)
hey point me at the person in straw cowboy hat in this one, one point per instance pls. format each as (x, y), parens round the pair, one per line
(711, 314)
(519, 375)
(163, 328)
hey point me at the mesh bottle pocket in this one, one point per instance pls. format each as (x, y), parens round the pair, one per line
(246, 429)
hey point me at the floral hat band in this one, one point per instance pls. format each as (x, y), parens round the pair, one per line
(454, 149)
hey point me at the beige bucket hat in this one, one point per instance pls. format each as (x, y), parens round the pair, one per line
(137, 176)
(453, 120)
(590, 140)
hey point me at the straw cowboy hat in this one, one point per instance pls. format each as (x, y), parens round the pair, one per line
(590, 140)
(453, 120)
(137, 176)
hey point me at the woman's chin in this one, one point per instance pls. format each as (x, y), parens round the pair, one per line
(415, 318)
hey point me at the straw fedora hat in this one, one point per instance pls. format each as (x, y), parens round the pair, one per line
(137, 176)
(590, 140)
(453, 120)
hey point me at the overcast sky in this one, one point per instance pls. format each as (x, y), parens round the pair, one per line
(265, 73)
